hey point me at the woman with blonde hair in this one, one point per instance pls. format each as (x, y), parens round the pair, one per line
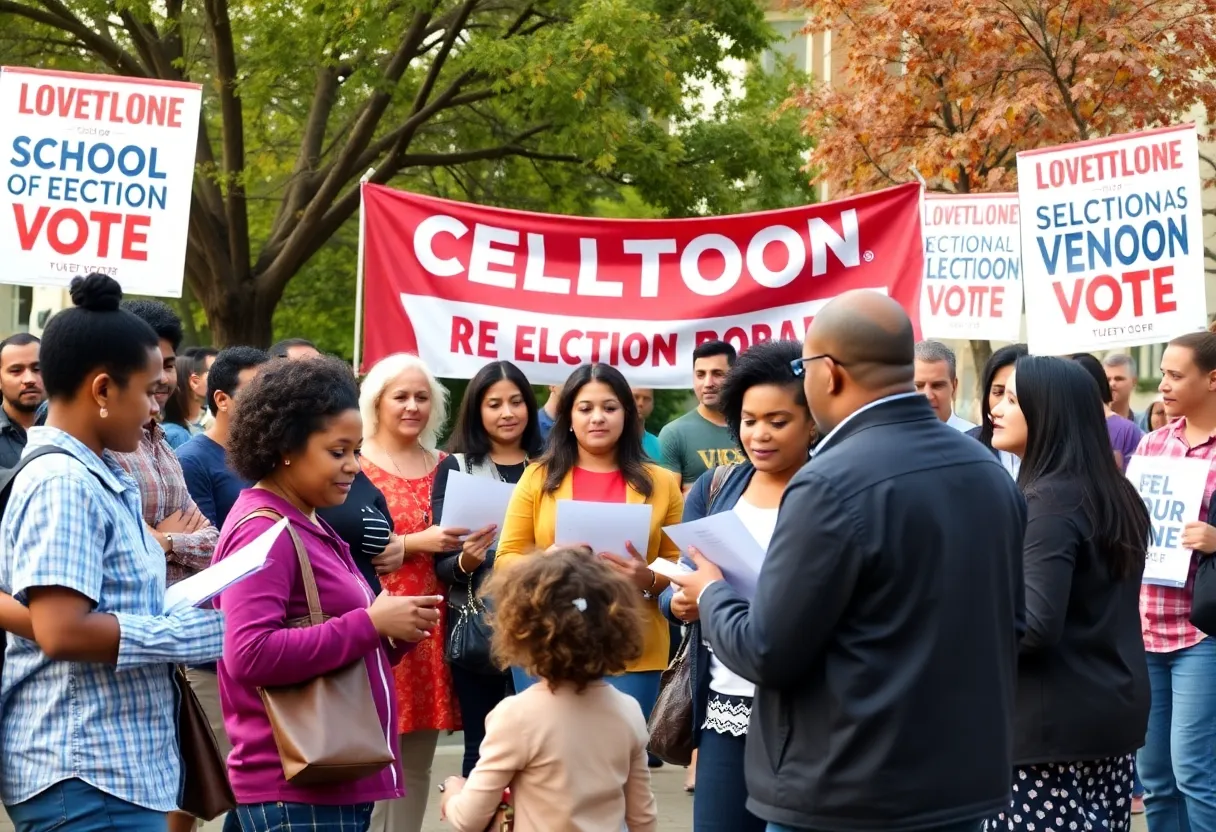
(404, 407)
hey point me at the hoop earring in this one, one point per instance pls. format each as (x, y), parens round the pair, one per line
(105, 414)
(287, 462)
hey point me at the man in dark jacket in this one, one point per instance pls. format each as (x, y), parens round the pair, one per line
(883, 634)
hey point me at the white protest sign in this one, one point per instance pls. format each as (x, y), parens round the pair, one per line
(1172, 488)
(97, 172)
(973, 284)
(1112, 241)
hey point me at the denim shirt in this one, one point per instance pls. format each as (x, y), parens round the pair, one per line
(75, 521)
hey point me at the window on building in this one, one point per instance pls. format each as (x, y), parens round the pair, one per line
(791, 43)
(25, 303)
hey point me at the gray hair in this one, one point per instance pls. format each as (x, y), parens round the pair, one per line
(934, 351)
(1121, 359)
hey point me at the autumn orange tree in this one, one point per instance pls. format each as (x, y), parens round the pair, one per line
(954, 88)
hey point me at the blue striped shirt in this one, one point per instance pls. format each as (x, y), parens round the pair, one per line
(76, 522)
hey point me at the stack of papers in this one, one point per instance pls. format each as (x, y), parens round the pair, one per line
(473, 503)
(726, 543)
(236, 567)
(605, 527)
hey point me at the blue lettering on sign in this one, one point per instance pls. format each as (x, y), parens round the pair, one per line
(1086, 251)
(97, 157)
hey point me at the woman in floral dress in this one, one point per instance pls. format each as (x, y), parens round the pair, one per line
(403, 409)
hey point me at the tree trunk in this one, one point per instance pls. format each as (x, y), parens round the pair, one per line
(237, 313)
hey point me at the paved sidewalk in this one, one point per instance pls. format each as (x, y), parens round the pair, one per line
(675, 807)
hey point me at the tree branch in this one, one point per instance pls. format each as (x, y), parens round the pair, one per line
(59, 17)
(325, 94)
(361, 135)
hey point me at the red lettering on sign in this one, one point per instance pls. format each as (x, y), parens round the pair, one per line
(1104, 295)
(976, 301)
(68, 231)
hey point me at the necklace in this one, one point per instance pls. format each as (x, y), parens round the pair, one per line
(426, 456)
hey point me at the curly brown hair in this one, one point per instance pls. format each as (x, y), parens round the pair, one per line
(285, 404)
(564, 617)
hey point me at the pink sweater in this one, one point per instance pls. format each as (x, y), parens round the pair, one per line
(575, 762)
(259, 651)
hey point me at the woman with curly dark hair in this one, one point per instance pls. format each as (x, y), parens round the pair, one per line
(295, 437)
(572, 748)
(766, 412)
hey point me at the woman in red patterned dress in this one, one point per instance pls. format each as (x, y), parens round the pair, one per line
(403, 409)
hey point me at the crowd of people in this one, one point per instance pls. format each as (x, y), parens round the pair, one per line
(949, 630)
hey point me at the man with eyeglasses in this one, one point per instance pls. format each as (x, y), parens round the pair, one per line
(884, 651)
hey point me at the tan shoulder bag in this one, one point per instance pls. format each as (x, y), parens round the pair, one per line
(327, 729)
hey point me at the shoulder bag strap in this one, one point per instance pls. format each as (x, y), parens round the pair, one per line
(720, 476)
(315, 616)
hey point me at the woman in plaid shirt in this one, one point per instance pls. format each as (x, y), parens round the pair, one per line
(89, 722)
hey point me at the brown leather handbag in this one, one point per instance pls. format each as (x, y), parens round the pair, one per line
(670, 724)
(327, 729)
(206, 792)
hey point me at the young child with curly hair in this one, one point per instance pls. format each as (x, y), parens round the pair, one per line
(572, 750)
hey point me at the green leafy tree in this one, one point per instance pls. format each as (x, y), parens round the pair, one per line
(550, 103)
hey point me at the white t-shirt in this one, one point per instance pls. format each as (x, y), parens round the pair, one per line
(760, 522)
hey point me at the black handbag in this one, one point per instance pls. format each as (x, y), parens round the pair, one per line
(468, 631)
(1203, 602)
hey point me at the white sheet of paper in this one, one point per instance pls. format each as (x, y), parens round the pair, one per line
(473, 503)
(1172, 488)
(668, 569)
(727, 544)
(200, 588)
(605, 527)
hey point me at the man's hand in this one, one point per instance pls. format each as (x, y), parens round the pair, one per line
(694, 583)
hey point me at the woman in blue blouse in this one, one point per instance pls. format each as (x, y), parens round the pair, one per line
(89, 718)
(766, 411)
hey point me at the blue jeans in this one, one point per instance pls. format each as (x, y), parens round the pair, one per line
(720, 802)
(75, 806)
(304, 817)
(1177, 762)
(644, 686)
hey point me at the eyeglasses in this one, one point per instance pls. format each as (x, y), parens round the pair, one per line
(798, 365)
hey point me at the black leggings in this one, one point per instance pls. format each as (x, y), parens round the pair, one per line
(477, 693)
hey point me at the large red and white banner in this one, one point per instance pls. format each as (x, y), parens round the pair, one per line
(1112, 241)
(461, 285)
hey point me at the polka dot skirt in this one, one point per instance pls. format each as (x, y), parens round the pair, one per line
(1069, 797)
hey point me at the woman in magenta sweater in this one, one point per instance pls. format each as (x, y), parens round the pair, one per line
(295, 436)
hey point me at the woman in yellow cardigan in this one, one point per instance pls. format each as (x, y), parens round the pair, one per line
(595, 454)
